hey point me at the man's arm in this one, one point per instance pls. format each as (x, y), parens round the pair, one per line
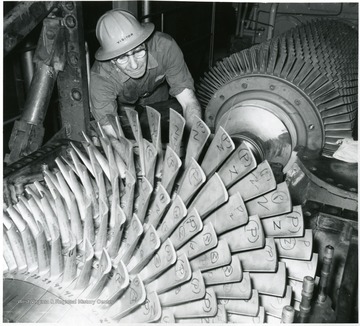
(103, 102)
(190, 105)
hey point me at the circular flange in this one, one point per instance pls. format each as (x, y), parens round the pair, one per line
(276, 99)
(255, 123)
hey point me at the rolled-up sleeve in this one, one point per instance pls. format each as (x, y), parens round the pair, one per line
(177, 73)
(102, 97)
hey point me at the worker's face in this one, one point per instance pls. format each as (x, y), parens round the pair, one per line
(133, 63)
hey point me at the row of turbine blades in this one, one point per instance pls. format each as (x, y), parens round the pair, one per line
(324, 68)
(146, 236)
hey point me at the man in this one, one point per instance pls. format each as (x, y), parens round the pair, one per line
(135, 65)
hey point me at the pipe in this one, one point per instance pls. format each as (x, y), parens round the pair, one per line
(40, 93)
(243, 20)
(238, 20)
(272, 17)
(146, 10)
(27, 67)
(306, 297)
(212, 35)
(162, 22)
(325, 274)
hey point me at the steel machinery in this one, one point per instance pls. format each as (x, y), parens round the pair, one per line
(245, 218)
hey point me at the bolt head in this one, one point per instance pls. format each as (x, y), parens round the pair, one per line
(69, 5)
(70, 21)
(76, 95)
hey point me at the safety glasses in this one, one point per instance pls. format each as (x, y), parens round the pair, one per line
(138, 53)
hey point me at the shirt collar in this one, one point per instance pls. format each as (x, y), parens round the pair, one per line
(152, 63)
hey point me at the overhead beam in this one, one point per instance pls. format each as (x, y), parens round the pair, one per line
(22, 19)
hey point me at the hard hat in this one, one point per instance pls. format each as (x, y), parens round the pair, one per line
(118, 32)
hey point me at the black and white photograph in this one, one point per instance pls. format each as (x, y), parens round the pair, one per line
(180, 162)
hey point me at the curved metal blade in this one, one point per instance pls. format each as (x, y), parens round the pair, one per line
(273, 203)
(151, 155)
(226, 274)
(229, 216)
(118, 282)
(270, 283)
(173, 277)
(149, 244)
(199, 134)
(157, 206)
(161, 261)
(219, 318)
(296, 248)
(115, 233)
(148, 312)
(176, 130)
(286, 225)
(238, 165)
(188, 228)
(298, 269)
(194, 289)
(133, 231)
(172, 164)
(274, 305)
(212, 195)
(56, 257)
(202, 242)
(248, 307)
(132, 298)
(133, 118)
(260, 260)
(103, 271)
(142, 202)
(125, 150)
(191, 181)
(206, 307)
(85, 274)
(258, 182)
(70, 268)
(115, 123)
(247, 237)
(238, 290)
(10, 258)
(220, 148)
(127, 200)
(154, 118)
(214, 258)
(173, 217)
(167, 316)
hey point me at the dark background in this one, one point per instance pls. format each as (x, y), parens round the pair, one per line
(189, 23)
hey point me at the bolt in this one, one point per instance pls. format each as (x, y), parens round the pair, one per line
(50, 34)
(9, 42)
(73, 59)
(70, 21)
(353, 189)
(69, 5)
(244, 85)
(222, 97)
(76, 94)
(297, 102)
(272, 87)
(313, 168)
(311, 127)
(211, 117)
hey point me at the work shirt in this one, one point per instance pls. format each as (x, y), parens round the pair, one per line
(166, 73)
